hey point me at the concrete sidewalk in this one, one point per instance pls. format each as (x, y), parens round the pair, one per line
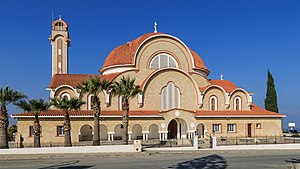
(71, 150)
(130, 149)
(235, 147)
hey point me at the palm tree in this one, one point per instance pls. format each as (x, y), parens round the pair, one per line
(7, 96)
(35, 106)
(94, 86)
(125, 89)
(67, 106)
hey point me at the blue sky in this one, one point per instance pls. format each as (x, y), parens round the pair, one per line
(239, 39)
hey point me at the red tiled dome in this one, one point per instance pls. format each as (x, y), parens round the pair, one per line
(124, 54)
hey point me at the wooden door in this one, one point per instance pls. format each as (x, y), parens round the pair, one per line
(249, 129)
(172, 130)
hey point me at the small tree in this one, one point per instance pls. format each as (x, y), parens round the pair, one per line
(7, 96)
(67, 106)
(271, 96)
(95, 86)
(35, 106)
(125, 89)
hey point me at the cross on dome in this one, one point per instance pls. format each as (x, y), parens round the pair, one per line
(221, 77)
(155, 27)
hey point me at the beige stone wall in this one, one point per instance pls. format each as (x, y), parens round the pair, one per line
(244, 100)
(200, 80)
(188, 91)
(219, 94)
(269, 126)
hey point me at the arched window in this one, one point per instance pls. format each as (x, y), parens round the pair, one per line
(59, 26)
(163, 60)
(89, 101)
(170, 97)
(237, 103)
(213, 103)
(65, 95)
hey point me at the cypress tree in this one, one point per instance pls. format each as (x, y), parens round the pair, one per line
(271, 96)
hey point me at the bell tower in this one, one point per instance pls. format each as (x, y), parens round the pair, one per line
(60, 42)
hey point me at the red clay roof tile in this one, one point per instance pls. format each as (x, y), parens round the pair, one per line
(54, 113)
(227, 85)
(74, 79)
(255, 111)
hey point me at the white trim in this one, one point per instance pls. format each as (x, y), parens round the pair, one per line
(89, 101)
(226, 95)
(234, 127)
(240, 103)
(248, 95)
(117, 70)
(168, 61)
(241, 116)
(77, 92)
(216, 103)
(65, 94)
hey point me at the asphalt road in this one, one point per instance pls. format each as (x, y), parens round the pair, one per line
(167, 160)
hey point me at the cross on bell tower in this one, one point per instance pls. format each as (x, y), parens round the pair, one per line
(60, 42)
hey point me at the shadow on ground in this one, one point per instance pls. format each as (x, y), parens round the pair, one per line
(67, 165)
(207, 162)
(294, 160)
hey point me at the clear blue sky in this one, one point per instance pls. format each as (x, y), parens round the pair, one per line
(239, 39)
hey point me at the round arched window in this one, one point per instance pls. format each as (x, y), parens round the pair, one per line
(163, 60)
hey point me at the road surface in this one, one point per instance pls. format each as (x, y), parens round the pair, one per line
(207, 159)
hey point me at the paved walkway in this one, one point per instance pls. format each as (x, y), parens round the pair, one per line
(70, 150)
(130, 149)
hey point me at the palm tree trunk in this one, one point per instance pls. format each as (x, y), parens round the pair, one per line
(3, 128)
(96, 109)
(125, 107)
(37, 131)
(67, 130)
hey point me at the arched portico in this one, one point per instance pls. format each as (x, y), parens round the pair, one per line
(118, 132)
(177, 129)
(201, 130)
(137, 132)
(103, 132)
(153, 131)
(86, 133)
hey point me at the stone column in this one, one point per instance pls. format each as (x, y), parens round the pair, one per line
(166, 136)
(110, 136)
(129, 135)
(145, 135)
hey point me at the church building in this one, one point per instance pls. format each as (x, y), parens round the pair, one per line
(178, 98)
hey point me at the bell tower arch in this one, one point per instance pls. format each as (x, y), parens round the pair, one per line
(60, 42)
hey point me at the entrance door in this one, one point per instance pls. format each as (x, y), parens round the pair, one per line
(249, 129)
(172, 130)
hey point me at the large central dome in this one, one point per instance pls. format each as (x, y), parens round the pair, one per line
(124, 54)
